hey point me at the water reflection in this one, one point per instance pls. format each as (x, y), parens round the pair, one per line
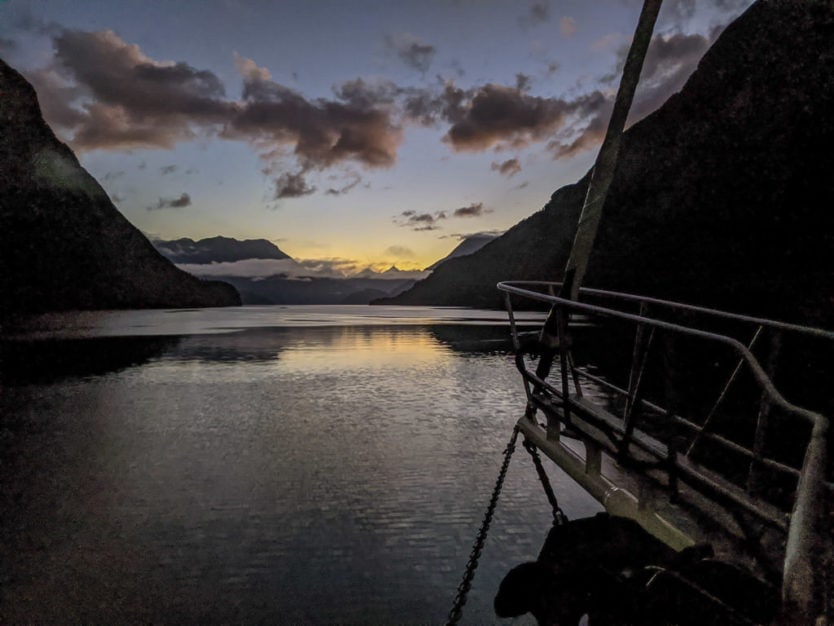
(305, 475)
(24, 361)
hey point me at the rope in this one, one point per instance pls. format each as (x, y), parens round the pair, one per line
(469, 573)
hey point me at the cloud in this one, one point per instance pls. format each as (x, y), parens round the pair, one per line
(246, 268)
(400, 252)
(540, 10)
(587, 133)
(505, 117)
(420, 221)
(522, 82)
(102, 92)
(473, 210)
(508, 168)
(480, 233)
(411, 50)
(128, 100)
(322, 132)
(338, 191)
(167, 169)
(172, 203)
(290, 185)
(567, 26)
(670, 61)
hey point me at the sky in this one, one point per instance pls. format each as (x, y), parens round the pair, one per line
(350, 133)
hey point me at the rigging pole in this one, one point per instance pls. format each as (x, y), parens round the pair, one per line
(606, 163)
(601, 177)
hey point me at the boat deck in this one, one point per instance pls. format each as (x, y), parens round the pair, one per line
(664, 413)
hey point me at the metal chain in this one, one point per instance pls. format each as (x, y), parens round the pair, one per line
(559, 516)
(466, 584)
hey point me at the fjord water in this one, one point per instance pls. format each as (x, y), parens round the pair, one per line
(261, 464)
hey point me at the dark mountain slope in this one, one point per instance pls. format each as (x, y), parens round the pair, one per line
(723, 196)
(63, 245)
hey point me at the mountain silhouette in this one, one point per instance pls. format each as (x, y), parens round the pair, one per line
(722, 197)
(63, 245)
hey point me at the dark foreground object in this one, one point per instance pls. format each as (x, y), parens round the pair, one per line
(613, 571)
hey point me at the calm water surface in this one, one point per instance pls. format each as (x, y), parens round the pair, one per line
(262, 464)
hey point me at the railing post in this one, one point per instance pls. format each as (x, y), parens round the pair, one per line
(562, 329)
(802, 581)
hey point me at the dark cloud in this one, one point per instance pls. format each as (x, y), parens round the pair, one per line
(586, 133)
(290, 185)
(399, 251)
(56, 96)
(107, 94)
(522, 82)
(411, 50)
(363, 93)
(323, 133)
(506, 117)
(508, 168)
(172, 203)
(338, 191)
(540, 11)
(167, 169)
(129, 100)
(476, 209)
(420, 221)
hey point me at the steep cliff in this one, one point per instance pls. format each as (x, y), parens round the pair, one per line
(63, 245)
(723, 196)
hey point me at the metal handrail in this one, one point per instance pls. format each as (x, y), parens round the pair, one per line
(515, 287)
(801, 587)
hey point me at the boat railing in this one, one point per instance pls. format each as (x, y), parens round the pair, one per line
(676, 398)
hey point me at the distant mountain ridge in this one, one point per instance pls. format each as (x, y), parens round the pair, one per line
(468, 245)
(279, 279)
(218, 250)
(63, 245)
(721, 197)
(287, 281)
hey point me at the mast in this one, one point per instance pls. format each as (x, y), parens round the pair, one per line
(606, 163)
(601, 177)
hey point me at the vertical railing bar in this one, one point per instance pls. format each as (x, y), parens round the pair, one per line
(576, 382)
(635, 358)
(634, 390)
(513, 328)
(561, 325)
(634, 398)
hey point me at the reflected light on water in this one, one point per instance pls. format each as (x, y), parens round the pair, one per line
(297, 474)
